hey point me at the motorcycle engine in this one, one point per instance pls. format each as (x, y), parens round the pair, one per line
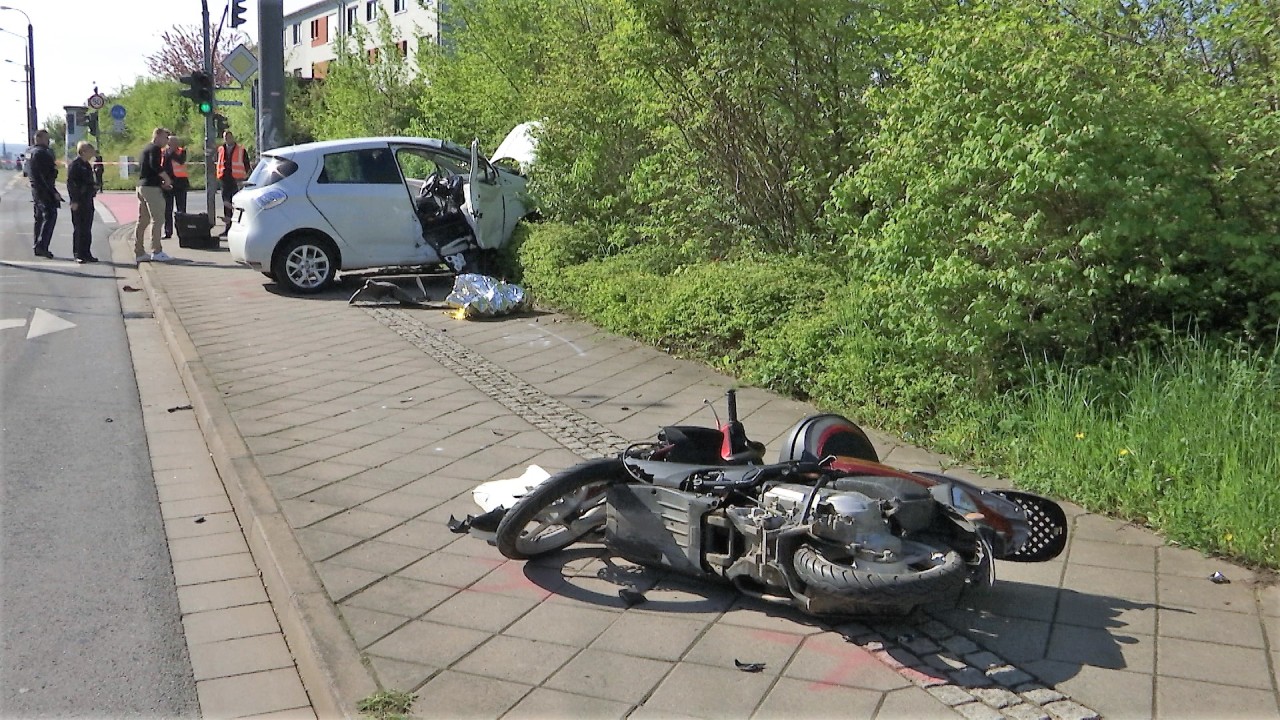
(845, 517)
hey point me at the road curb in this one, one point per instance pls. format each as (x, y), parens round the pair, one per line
(328, 660)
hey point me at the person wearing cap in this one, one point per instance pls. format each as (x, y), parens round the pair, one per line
(175, 162)
(81, 187)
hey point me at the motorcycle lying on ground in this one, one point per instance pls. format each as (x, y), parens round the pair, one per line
(828, 528)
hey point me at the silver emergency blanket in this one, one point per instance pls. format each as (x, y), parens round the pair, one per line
(481, 296)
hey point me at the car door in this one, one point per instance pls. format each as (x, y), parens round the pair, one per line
(361, 194)
(485, 206)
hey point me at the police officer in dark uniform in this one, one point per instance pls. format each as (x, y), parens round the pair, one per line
(45, 197)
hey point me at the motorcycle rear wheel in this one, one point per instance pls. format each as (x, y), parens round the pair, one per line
(554, 514)
(942, 580)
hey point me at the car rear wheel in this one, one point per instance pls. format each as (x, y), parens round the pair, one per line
(305, 264)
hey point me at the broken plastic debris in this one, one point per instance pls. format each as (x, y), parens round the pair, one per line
(199, 519)
(459, 526)
(631, 597)
(129, 288)
(110, 420)
(748, 667)
(1219, 579)
(176, 408)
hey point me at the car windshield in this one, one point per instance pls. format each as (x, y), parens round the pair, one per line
(270, 170)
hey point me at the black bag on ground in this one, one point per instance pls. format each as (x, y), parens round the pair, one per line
(195, 231)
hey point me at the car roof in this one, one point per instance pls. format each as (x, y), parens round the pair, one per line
(324, 146)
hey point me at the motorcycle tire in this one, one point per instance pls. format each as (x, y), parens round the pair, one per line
(567, 506)
(944, 580)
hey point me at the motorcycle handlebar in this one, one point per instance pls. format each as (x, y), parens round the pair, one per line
(731, 399)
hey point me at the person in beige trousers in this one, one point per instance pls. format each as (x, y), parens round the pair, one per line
(153, 181)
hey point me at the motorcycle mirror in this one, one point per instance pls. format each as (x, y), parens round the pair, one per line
(714, 414)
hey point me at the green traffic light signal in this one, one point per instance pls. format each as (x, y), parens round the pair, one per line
(199, 90)
(205, 107)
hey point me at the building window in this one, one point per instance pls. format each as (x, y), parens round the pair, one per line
(401, 5)
(353, 16)
(370, 10)
(297, 33)
(373, 55)
(320, 31)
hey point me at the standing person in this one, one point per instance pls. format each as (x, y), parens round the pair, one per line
(233, 170)
(43, 172)
(175, 163)
(81, 187)
(152, 182)
(99, 168)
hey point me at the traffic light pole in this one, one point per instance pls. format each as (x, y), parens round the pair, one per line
(209, 151)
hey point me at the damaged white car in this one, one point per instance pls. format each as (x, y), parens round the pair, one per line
(310, 211)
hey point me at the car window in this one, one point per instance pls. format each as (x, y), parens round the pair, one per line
(374, 166)
(419, 163)
(271, 170)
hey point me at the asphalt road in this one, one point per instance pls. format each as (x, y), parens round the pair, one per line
(89, 617)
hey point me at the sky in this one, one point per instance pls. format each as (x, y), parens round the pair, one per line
(80, 43)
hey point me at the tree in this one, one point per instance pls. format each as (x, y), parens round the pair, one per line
(182, 53)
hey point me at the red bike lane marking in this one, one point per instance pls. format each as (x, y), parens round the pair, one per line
(122, 205)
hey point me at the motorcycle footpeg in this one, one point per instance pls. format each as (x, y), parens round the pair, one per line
(1047, 523)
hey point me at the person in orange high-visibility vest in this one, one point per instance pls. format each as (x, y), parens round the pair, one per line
(233, 170)
(175, 162)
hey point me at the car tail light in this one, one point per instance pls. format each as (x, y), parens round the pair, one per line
(270, 198)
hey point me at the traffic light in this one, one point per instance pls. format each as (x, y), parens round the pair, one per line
(199, 90)
(220, 123)
(91, 122)
(237, 13)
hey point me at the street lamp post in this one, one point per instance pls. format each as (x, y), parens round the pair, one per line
(31, 75)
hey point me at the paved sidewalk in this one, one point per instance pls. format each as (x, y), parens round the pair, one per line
(348, 436)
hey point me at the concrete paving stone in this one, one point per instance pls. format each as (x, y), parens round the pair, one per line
(1213, 626)
(329, 471)
(400, 596)
(1075, 608)
(399, 675)
(712, 692)
(300, 435)
(1100, 647)
(1175, 560)
(516, 659)
(349, 439)
(442, 487)
(230, 623)
(457, 696)
(575, 625)
(1191, 592)
(383, 478)
(1269, 600)
(792, 698)
(274, 443)
(378, 556)
(1068, 710)
(996, 697)
(177, 443)
(428, 643)
(279, 463)
(651, 636)
(521, 580)
(201, 525)
(227, 543)
(1118, 556)
(828, 659)
(401, 503)
(239, 656)
(950, 695)
(457, 571)
(609, 676)
(978, 711)
(689, 598)
(222, 567)
(1025, 712)
(765, 615)
(480, 610)
(320, 545)
(545, 703)
(419, 533)
(300, 713)
(1177, 698)
(209, 487)
(341, 582)
(203, 471)
(1231, 665)
(369, 626)
(195, 507)
(221, 594)
(251, 694)
(722, 644)
(1014, 639)
(360, 523)
(1104, 529)
(304, 513)
(1113, 693)
(287, 487)
(1126, 585)
(341, 494)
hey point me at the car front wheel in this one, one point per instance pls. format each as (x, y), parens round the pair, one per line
(305, 264)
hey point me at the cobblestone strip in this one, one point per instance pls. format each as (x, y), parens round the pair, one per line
(975, 683)
(577, 432)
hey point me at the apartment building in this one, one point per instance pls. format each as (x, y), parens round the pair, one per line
(311, 33)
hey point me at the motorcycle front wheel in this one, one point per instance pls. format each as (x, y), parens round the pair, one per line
(554, 514)
(942, 576)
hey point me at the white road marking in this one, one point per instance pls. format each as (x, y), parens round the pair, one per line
(44, 322)
(6, 323)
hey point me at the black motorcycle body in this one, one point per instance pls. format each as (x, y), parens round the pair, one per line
(827, 528)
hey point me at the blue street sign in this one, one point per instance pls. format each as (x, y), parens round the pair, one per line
(117, 112)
